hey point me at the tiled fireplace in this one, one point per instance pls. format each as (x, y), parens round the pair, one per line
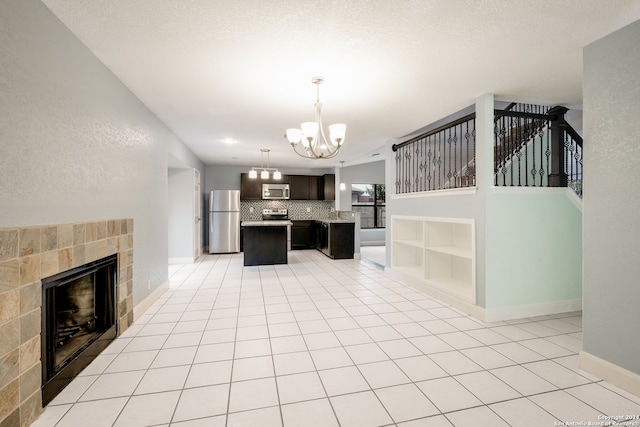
(27, 255)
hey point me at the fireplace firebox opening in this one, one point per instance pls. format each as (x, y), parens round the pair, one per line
(79, 320)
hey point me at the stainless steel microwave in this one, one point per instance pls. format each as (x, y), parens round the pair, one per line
(275, 191)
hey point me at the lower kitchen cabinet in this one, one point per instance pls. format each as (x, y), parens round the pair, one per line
(335, 239)
(302, 234)
(265, 245)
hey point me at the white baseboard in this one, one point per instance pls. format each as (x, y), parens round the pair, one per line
(490, 314)
(372, 243)
(183, 260)
(144, 305)
(614, 374)
(532, 310)
(467, 307)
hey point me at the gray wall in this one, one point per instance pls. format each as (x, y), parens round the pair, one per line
(180, 213)
(611, 198)
(75, 143)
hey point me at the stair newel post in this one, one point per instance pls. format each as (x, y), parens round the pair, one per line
(557, 174)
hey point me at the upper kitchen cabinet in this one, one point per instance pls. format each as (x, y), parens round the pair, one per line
(329, 187)
(299, 187)
(306, 187)
(315, 184)
(251, 188)
(302, 187)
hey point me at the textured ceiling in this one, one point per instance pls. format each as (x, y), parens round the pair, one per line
(242, 69)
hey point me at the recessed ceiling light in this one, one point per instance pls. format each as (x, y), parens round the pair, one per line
(229, 141)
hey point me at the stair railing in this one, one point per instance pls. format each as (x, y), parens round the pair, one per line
(534, 146)
(439, 159)
(537, 150)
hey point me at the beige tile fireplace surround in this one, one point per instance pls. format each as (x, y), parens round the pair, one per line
(27, 255)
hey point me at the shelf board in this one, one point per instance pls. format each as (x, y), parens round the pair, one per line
(452, 250)
(413, 243)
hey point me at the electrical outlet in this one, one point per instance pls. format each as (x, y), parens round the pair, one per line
(333, 209)
(308, 209)
(250, 209)
(149, 284)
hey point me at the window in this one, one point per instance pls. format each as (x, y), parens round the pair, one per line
(369, 200)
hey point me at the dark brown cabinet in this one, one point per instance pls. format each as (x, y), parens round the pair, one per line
(302, 234)
(299, 187)
(329, 187)
(335, 239)
(302, 187)
(315, 183)
(265, 245)
(251, 188)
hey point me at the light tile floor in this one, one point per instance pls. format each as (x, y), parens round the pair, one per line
(329, 343)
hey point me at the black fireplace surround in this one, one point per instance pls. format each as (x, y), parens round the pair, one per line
(78, 321)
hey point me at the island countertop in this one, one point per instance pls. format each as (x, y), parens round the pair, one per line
(269, 223)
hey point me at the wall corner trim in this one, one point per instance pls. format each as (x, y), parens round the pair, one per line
(614, 374)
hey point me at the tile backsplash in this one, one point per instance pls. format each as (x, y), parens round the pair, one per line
(298, 209)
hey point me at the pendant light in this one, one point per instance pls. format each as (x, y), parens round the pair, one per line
(264, 174)
(342, 184)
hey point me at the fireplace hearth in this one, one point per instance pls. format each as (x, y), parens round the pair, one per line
(78, 321)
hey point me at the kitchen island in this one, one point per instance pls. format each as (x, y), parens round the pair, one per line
(265, 242)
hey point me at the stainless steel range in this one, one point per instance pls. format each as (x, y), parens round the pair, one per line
(278, 215)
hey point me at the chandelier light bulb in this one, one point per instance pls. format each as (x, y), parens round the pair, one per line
(294, 136)
(336, 133)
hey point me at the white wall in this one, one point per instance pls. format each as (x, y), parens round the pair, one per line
(612, 199)
(75, 143)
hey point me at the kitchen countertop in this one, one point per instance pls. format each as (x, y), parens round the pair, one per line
(269, 223)
(335, 220)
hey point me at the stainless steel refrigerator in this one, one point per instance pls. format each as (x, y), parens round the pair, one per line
(224, 221)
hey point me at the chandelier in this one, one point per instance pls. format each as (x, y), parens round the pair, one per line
(311, 135)
(264, 174)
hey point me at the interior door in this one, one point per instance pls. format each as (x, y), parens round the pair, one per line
(197, 211)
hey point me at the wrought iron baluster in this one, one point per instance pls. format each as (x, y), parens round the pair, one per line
(439, 159)
(496, 132)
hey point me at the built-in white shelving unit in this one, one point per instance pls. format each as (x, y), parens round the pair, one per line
(439, 251)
